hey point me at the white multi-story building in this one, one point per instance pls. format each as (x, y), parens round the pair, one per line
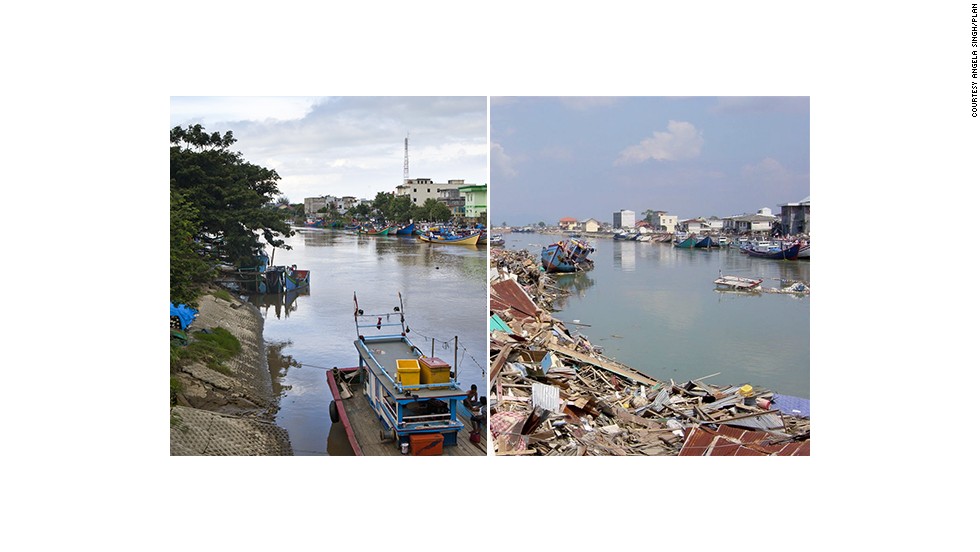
(421, 189)
(624, 219)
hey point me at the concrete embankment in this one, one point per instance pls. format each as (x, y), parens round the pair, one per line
(232, 414)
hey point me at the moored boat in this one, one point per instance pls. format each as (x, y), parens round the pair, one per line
(374, 231)
(496, 240)
(789, 253)
(397, 400)
(407, 230)
(467, 239)
(687, 243)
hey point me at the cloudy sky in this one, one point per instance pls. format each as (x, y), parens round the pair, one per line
(348, 145)
(697, 156)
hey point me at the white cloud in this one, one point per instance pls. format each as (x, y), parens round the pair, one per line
(768, 170)
(500, 160)
(681, 141)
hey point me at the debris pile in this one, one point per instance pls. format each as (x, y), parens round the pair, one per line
(552, 393)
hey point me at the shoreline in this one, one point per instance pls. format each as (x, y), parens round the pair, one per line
(552, 393)
(228, 415)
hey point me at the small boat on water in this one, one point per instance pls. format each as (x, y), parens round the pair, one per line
(371, 231)
(738, 282)
(789, 253)
(496, 240)
(406, 230)
(690, 242)
(567, 256)
(397, 400)
(466, 239)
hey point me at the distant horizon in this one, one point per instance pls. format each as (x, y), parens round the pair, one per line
(691, 157)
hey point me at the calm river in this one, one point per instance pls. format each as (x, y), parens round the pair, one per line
(654, 307)
(444, 292)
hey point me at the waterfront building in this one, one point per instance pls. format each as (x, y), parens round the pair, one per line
(568, 223)
(591, 225)
(421, 189)
(455, 200)
(662, 222)
(476, 202)
(312, 205)
(759, 223)
(695, 225)
(624, 219)
(796, 217)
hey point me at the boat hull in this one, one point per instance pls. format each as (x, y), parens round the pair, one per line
(566, 256)
(451, 240)
(789, 254)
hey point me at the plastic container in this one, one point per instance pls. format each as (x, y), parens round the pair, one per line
(745, 390)
(425, 444)
(408, 372)
(434, 370)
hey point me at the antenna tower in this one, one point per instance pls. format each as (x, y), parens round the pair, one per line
(406, 159)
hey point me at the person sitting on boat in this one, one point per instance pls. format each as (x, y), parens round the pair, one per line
(479, 418)
(472, 395)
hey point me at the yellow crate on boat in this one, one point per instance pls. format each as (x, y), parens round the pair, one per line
(408, 371)
(434, 370)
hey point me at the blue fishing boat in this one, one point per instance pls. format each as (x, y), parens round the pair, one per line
(406, 230)
(703, 242)
(567, 256)
(790, 253)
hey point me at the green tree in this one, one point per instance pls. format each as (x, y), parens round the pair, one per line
(188, 267)
(648, 216)
(234, 199)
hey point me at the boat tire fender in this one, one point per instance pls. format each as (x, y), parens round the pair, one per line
(334, 413)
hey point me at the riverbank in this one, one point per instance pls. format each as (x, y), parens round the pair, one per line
(554, 393)
(230, 413)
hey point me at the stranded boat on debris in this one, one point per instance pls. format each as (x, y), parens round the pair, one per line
(567, 256)
(414, 400)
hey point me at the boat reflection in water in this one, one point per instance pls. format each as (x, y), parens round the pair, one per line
(283, 304)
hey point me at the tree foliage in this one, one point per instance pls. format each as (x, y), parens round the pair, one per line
(220, 206)
(188, 267)
(234, 198)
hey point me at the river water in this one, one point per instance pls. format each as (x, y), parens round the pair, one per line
(444, 292)
(654, 307)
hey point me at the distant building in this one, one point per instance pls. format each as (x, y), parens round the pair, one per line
(796, 217)
(568, 223)
(312, 205)
(421, 189)
(695, 225)
(476, 202)
(591, 225)
(624, 219)
(662, 222)
(759, 223)
(455, 200)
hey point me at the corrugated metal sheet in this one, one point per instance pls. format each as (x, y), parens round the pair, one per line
(731, 441)
(509, 295)
(545, 396)
(791, 406)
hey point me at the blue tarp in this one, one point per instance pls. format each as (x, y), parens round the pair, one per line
(184, 313)
(787, 404)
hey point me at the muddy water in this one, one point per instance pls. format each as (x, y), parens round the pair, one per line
(445, 296)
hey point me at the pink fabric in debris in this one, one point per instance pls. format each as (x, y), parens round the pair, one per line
(506, 422)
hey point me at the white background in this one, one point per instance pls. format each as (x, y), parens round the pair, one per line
(893, 176)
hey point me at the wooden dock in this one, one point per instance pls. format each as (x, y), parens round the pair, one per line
(364, 430)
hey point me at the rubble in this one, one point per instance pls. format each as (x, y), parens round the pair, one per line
(552, 393)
